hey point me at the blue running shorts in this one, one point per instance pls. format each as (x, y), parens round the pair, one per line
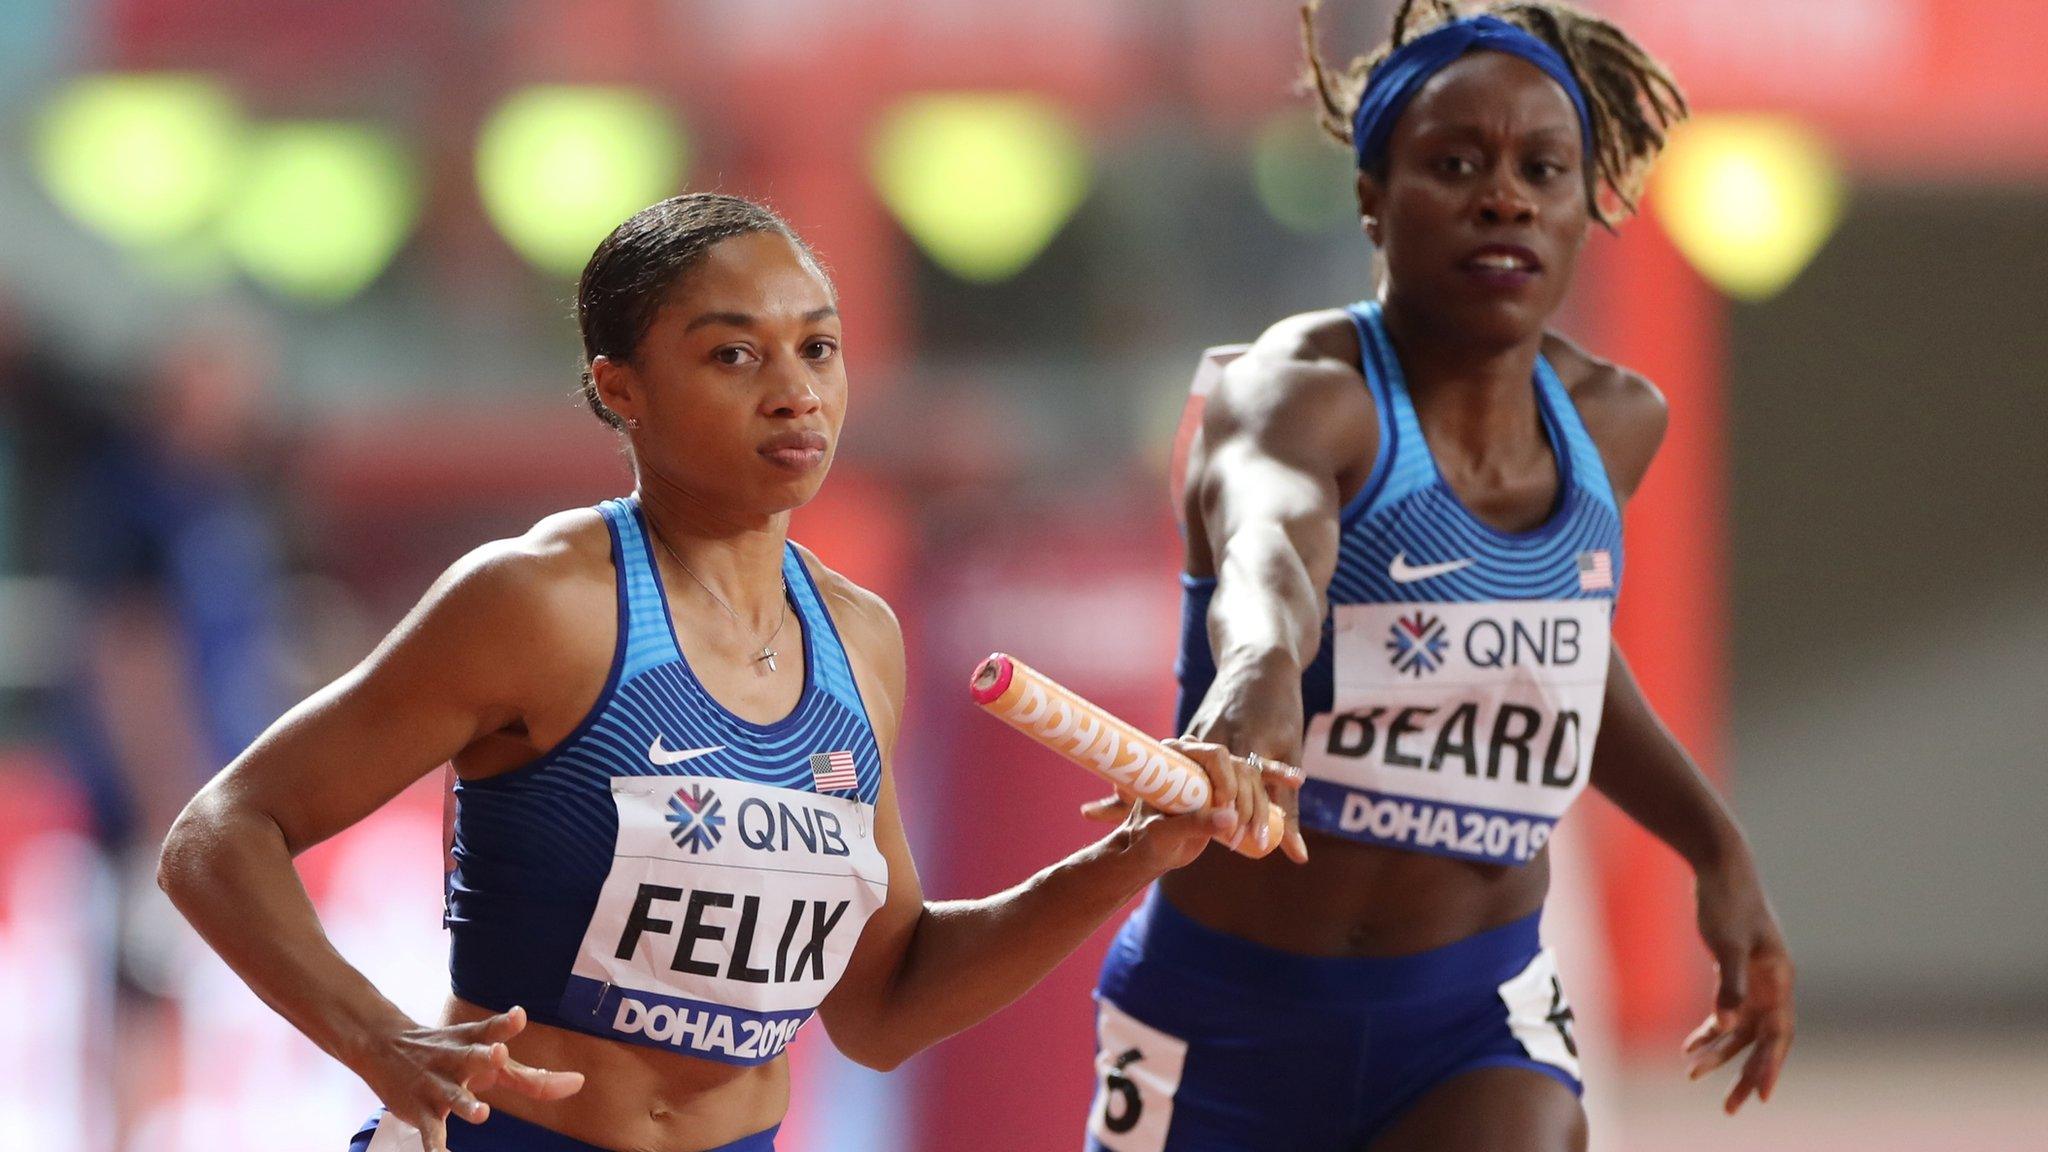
(1206, 1042)
(503, 1132)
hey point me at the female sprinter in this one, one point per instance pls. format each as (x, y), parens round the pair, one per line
(1403, 549)
(676, 831)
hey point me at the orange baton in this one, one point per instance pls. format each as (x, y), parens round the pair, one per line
(1094, 738)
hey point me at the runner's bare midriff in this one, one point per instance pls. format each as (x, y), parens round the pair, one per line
(638, 1098)
(1355, 899)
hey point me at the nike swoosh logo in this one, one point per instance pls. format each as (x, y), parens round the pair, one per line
(662, 756)
(1406, 573)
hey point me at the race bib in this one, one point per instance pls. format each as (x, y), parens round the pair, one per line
(1461, 729)
(729, 912)
(1137, 1074)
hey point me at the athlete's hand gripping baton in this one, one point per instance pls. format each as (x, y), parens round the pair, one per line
(1094, 738)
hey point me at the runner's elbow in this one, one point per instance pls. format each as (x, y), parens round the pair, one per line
(885, 1060)
(184, 848)
(193, 848)
(872, 1045)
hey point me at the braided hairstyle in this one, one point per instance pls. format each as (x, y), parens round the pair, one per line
(637, 267)
(1631, 97)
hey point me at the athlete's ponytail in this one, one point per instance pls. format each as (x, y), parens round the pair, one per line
(634, 270)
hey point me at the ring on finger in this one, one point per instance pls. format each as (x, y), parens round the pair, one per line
(1261, 765)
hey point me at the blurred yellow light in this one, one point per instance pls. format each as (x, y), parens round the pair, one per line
(981, 182)
(320, 209)
(1749, 200)
(560, 167)
(142, 159)
(1305, 182)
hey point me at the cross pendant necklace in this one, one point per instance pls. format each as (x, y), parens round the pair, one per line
(767, 654)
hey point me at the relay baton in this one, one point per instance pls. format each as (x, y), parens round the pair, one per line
(1092, 737)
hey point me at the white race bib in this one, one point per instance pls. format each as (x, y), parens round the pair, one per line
(730, 911)
(1462, 729)
(1137, 1074)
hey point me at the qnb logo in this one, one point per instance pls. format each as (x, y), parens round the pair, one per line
(1416, 643)
(1121, 1104)
(694, 821)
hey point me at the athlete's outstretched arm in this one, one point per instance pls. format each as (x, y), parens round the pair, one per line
(923, 971)
(1283, 426)
(445, 676)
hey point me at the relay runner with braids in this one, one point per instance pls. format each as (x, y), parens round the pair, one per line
(676, 830)
(1403, 525)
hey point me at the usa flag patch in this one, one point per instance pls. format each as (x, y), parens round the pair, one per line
(1596, 571)
(833, 772)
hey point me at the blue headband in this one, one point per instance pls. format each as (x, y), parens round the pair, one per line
(1407, 68)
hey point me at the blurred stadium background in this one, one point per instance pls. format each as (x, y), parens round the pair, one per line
(284, 329)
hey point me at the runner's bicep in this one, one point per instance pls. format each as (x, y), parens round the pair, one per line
(1277, 443)
(340, 755)
(1249, 493)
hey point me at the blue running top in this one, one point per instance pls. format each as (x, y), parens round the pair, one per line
(1453, 704)
(671, 874)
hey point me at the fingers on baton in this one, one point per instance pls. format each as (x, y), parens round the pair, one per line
(1279, 783)
(1261, 818)
(1283, 784)
(1245, 819)
(1226, 807)
(1230, 802)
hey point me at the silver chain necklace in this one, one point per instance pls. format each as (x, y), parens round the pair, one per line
(768, 654)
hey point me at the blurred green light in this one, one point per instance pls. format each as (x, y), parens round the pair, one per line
(981, 182)
(320, 209)
(141, 159)
(560, 167)
(1305, 182)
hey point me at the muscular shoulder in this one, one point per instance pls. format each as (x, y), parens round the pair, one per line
(525, 594)
(1298, 392)
(504, 620)
(564, 557)
(1624, 413)
(1307, 361)
(874, 643)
